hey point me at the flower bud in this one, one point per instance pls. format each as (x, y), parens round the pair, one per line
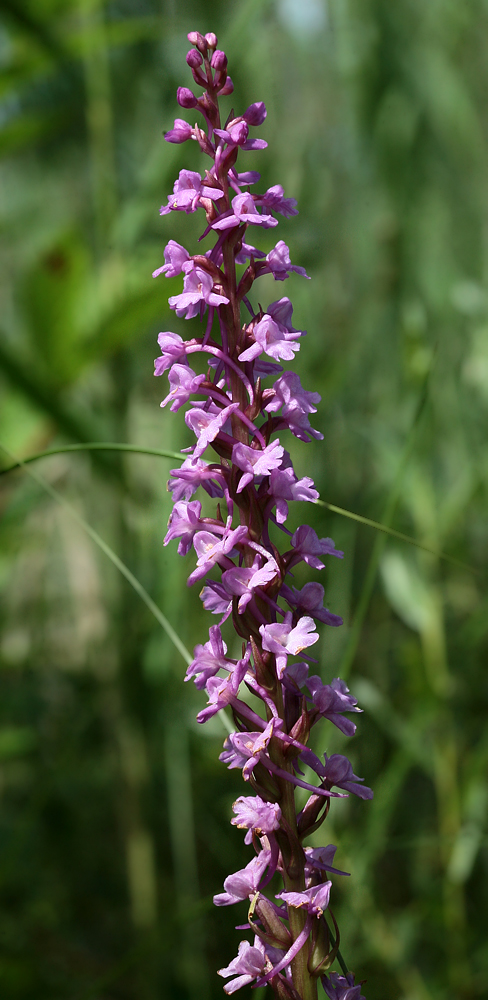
(211, 40)
(245, 285)
(255, 113)
(321, 955)
(219, 60)
(180, 133)
(284, 990)
(194, 58)
(227, 88)
(273, 926)
(186, 98)
(195, 38)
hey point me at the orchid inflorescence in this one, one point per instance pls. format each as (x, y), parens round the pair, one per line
(253, 477)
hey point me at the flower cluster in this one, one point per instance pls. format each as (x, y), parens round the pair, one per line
(275, 698)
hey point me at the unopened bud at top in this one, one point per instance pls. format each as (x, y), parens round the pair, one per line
(194, 58)
(255, 113)
(211, 40)
(186, 98)
(199, 41)
(219, 60)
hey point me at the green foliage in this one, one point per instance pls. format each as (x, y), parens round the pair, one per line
(114, 808)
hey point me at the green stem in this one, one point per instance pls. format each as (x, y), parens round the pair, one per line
(302, 980)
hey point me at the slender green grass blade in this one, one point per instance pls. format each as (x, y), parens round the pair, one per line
(380, 542)
(395, 534)
(177, 456)
(134, 582)
(94, 446)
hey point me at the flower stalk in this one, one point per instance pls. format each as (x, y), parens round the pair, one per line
(244, 399)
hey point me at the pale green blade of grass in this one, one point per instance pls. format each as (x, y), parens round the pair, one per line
(395, 534)
(177, 456)
(93, 446)
(380, 542)
(103, 545)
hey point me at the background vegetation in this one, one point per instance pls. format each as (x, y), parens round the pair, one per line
(114, 808)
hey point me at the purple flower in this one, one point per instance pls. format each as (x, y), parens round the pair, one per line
(314, 900)
(237, 135)
(211, 549)
(273, 334)
(188, 190)
(183, 382)
(279, 263)
(206, 425)
(244, 749)
(243, 210)
(197, 289)
(180, 133)
(250, 963)
(297, 402)
(209, 658)
(298, 423)
(331, 700)
(242, 581)
(319, 859)
(339, 987)
(184, 521)
(246, 252)
(216, 599)
(272, 339)
(274, 199)
(254, 462)
(224, 692)
(296, 672)
(256, 816)
(194, 472)
(175, 257)
(309, 601)
(173, 348)
(244, 883)
(284, 485)
(247, 749)
(284, 639)
(289, 392)
(247, 177)
(337, 771)
(308, 546)
(264, 368)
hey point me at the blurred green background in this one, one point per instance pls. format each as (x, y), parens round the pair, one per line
(114, 809)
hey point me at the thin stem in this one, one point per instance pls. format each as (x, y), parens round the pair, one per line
(294, 877)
